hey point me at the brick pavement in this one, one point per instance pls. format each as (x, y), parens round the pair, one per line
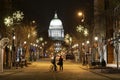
(108, 75)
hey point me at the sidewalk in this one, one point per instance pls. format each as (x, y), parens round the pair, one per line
(14, 70)
(11, 71)
(109, 72)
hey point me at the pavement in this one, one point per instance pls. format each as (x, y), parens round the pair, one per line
(110, 73)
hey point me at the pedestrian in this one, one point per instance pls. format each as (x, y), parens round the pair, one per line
(53, 61)
(60, 63)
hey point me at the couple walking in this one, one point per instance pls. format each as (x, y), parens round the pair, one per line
(60, 63)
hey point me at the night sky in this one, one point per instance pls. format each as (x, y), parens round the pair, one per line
(43, 11)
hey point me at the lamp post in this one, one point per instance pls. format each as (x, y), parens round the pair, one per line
(81, 28)
(80, 14)
(83, 34)
(95, 54)
(88, 42)
(42, 49)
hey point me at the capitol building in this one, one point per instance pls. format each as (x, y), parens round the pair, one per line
(56, 31)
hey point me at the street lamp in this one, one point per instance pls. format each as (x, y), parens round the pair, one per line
(87, 42)
(80, 14)
(81, 28)
(96, 38)
(85, 32)
(41, 38)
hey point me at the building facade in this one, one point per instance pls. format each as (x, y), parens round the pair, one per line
(105, 25)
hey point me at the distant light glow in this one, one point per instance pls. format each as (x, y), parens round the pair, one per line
(45, 42)
(88, 42)
(86, 32)
(80, 14)
(83, 44)
(96, 38)
(29, 35)
(41, 38)
(37, 41)
(25, 42)
(14, 37)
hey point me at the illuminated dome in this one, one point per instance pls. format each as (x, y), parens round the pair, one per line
(56, 31)
(55, 23)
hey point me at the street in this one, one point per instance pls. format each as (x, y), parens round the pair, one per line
(85, 33)
(40, 71)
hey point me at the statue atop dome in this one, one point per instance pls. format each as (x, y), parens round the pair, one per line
(55, 16)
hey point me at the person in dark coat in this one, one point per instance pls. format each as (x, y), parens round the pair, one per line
(53, 61)
(60, 63)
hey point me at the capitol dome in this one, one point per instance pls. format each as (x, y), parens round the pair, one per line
(55, 23)
(56, 31)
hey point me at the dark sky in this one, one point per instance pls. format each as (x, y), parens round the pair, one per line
(43, 11)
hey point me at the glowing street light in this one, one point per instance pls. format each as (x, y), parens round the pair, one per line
(45, 42)
(41, 38)
(14, 37)
(83, 44)
(80, 14)
(96, 38)
(87, 42)
(81, 28)
(37, 41)
(25, 42)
